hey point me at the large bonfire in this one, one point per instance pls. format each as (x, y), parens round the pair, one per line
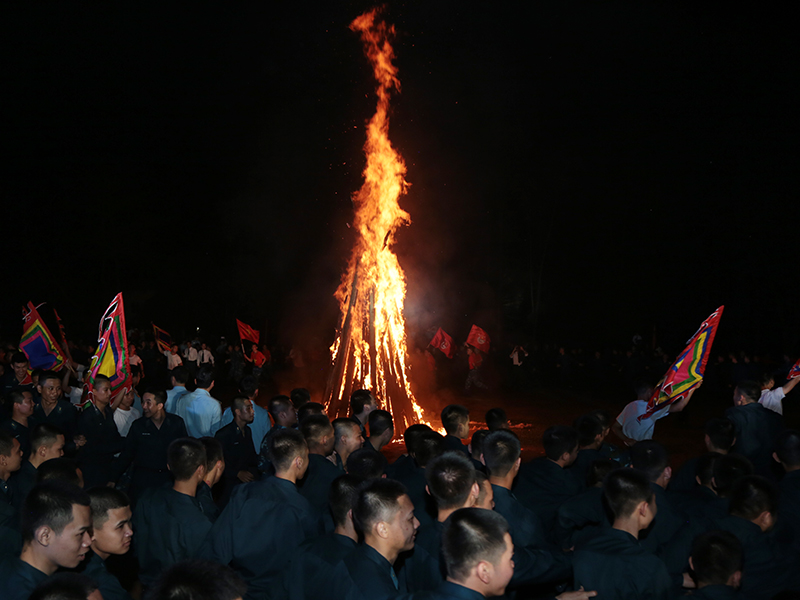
(370, 348)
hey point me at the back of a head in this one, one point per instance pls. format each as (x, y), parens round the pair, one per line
(476, 443)
(753, 495)
(788, 448)
(342, 496)
(104, 499)
(358, 400)
(44, 434)
(598, 470)
(214, 452)
(181, 375)
(285, 446)
(299, 396)
(704, 467)
(603, 416)
(643, 389)
(588, 428)
(379, 421)
(59, 469)
(366, 464)
(728, 469)
(344, 426)
(278, 404)
(429, 445)
(751, 390)
(308, 409)
(470, 536)
(767, 378)
(184, 456)
(205, 376)
(6, 443)
(50, 503)
(721, 433)
(314, 427)
(377, 501)
(450, 479)
(65, 586)
(197, 580)
(649, 457)
(624, 490)
(453, 416)
(558, 440)
(716, 556)
(496, 418)
(501, 450)
(412, 434)
(248, 386)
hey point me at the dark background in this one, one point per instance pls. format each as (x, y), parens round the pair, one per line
(581, 172)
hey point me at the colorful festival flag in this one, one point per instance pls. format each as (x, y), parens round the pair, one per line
(111, 357)
(686, 373)
(443, 342)
(479, 338)
(38, 343)
(63, 332)
(795, 370)
(247, 333)
(163, 339)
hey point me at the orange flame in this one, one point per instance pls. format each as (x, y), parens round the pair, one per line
(372, 292)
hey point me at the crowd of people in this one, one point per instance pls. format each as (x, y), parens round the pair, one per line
(156, 492)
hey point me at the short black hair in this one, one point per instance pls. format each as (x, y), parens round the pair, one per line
(184, 455)
(453, 416)
(366, 464)
(279, 404)
(314, 428)
(48, 375)
(64, 586)
(343, 426)
(429, 445)
(496, 419)
(753, 495)
(19, 357)
(181, 374)
(59, 469)
(412, 434)
(204, 377)
(588, 428)
(248, 386)
(379, 422)
(197, 580)
(50, 503)
(650, 457)
(750, 390)
(214, 452)
(308, 409)
(558, 440)
(6, 443)
(704, 467)
(721, 432)
(342, 496)
(299, 396)
(767, 377)
(598, 470)
(359, 399)
(44, 434)
(377, 501)
(284, 446)
(159, 394)
(716, 556)
(16, 396)
(788, 447)
(476, 442)
(238, 403)
(472, 535)
(603, 416)
(104, 499)
(501, 449)
(450, 478)
(624, 489)
(101, 379)
(728, 469)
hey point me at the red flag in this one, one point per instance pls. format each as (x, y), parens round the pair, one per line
(686, 373)
(479, 338)
(794, 371)
(246, 332)
(443, 342)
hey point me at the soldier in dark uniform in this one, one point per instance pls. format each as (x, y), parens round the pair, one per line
(405, 463)
(590, 440)
(284, 416)
(170, 525)
(111, 536)
(18, 375)
(362, 402)
(317, 570)
(103, 441)
(716, 563)
(146, 445)
(719, 438)
(265, 521)
(428, 446)
(53, 410)
(613, 563)
(381, 432)
(215, 467)
(47, 442)
(366, 464)
(757, 427)
(455, 420)
(315, 486)
(582, 515)
(241, 460)
(198, 579)
(20, 401)
(10, 462)
(348, 439)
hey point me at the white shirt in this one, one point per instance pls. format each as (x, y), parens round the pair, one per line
(173, 360)
(632, 427)
(190, 354)
(205, 356)
(135, 359)
(771, 399)
(124, 418)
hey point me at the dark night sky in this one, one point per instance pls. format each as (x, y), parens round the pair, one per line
(624, 164)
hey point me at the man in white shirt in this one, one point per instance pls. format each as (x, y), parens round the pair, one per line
(204, 356)
(173, 358)
(773, 399)
(630, 429)
(125, 414)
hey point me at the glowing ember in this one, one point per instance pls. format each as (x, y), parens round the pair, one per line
(370, 348)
